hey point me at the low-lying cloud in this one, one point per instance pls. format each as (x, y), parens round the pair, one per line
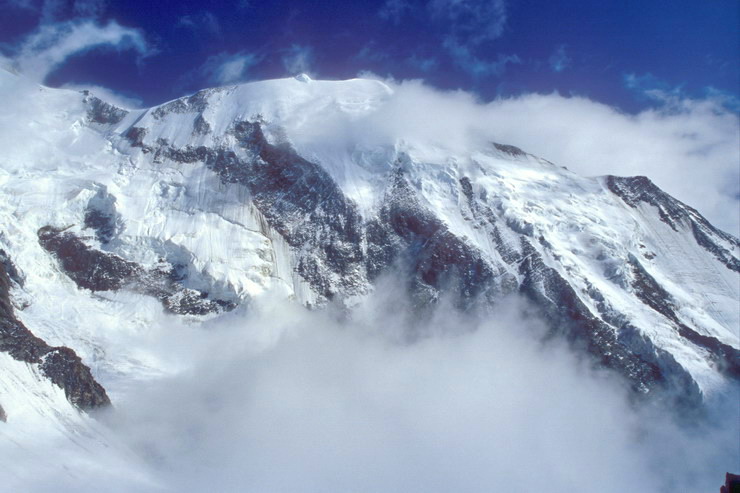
(282, 399)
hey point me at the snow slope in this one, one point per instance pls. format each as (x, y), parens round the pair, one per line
(270, 188)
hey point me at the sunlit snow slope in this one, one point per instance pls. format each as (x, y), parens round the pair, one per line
(111, 217)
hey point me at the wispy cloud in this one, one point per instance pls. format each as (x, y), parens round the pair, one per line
(203, 22)
(228, 68)
(51, 45)
(370, 52)
(477, 67)
(424, 64)
(299, 59)
(89, 8)
(647, 86)
(464, 29)
(278, 398)
(559, 60)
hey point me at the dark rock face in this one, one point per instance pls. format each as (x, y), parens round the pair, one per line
(101, 271)
(299, 200)
(88, 268)
(652, 294)
(436, 261)
(339, 254)
(10, 269)
(101, 216)
(60, 364)
(3, 416)
(732, 484)
(101, 112)
(509, 149)
(64, 368)
(635, 190)
(566, 315)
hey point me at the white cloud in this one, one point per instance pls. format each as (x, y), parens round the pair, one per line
(228, 68)
(688, 147)
(52, 44)
(282, 399)
(299, 59)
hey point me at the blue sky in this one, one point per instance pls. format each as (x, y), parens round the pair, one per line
(611, 52)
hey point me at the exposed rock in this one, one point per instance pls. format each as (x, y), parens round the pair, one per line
(509, 149)
(435, 259)
(567, 315)
(340, 255)
(299, 200)
(652, 294)
(201, 126)
(732, 484)
(635, 190)
(102, 271)
(88, 268)
(60, 364)
(101, 216)
(101, 112)
(3, 416)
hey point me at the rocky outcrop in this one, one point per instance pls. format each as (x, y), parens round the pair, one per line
(60, 364)
(636, 190)
(650, 292)
(732, 484)
(298, 199)
(341, 254)
(102, 271)
(405, 235)
(101, 112)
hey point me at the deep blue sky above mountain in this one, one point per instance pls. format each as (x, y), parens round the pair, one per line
(612, 52)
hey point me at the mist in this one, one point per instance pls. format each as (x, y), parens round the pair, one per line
(688, 147)
(278, 398)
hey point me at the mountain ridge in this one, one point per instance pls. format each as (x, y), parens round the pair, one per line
(212, 200)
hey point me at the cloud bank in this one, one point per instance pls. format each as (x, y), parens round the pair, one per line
(281, 399)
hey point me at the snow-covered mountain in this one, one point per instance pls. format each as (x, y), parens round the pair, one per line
(110, 217)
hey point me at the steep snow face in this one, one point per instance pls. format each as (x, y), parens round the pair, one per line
(112, 216)
(495, 200)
